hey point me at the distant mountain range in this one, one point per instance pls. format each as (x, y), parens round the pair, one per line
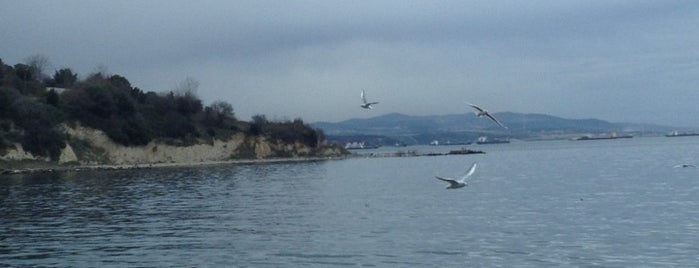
(398, 128)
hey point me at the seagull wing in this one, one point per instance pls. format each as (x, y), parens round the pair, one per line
(495, 120)
(363, 97)
(476, 107)
(450, 181)
(469, 172)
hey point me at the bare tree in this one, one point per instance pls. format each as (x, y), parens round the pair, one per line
(38, 63)
(101, 70)
(188, 87)
(185, 96)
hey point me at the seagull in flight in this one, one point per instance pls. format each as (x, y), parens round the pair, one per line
(685, 166)
(367, 105)
(454, 183)
(481, 113)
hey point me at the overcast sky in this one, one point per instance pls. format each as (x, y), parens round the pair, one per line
(622, 61)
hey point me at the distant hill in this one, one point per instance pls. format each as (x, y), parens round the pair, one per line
(400, 128)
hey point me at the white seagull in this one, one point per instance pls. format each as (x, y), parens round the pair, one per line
(454, 183)
(367, 105)
(481, 112)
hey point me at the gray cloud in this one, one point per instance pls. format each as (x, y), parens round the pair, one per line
(615, 60)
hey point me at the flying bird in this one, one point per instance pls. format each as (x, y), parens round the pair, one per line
(366, 104)
(481, 113)
(454, 183)
(685, 166)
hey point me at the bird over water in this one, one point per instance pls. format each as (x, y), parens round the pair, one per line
(454, 183)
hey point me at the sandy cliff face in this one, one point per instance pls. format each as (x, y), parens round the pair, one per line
(104, 151)
(17, 154)
(155, 152)
(67, 155)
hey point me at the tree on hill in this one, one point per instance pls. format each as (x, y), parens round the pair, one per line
(185, 96)
(30, 113)
(39, 121)
(38, 64)
(218, 113)
(64, 78)
(287, 131)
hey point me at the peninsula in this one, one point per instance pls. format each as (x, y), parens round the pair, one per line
(61, 121)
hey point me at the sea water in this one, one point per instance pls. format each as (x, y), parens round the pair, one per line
(607, 203)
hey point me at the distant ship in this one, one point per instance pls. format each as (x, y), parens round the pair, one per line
(681, 134)
(613, 136)
(436, 143)
(486, 140)
(359, 145)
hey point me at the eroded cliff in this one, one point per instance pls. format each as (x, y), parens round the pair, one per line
(89, 146)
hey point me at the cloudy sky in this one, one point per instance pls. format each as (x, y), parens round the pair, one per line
(622, 61)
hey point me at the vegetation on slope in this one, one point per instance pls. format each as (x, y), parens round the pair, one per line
(33, 105)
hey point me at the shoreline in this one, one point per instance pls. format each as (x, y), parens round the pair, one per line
(107, 167)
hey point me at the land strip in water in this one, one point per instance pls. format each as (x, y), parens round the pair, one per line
(78, 168)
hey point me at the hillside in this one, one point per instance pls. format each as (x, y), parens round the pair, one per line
(46, 118)
(400, 128)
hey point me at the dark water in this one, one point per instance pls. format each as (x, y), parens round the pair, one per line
(618, 203)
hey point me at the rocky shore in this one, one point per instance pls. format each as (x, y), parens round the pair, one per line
(107, 167)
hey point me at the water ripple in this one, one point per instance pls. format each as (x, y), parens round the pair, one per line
(631, 212)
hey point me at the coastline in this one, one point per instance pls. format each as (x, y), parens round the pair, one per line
(261, 161)
(106, 167)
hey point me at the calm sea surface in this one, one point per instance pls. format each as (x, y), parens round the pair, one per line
(618, 203)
